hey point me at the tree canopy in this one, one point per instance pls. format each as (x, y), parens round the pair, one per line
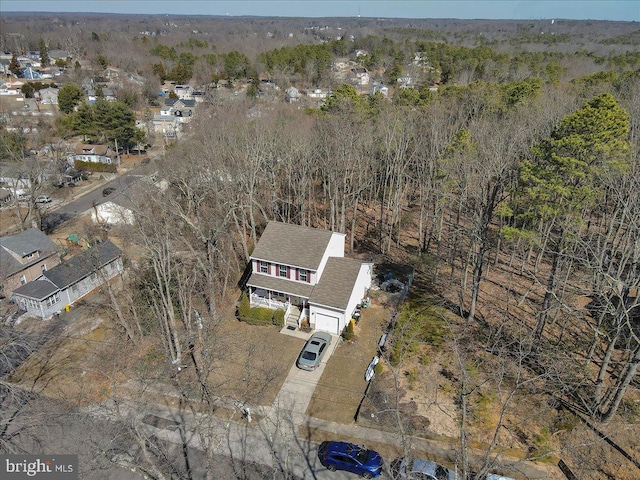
(69, 96)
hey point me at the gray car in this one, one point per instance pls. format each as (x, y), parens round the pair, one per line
(313, 351)
(420, 469)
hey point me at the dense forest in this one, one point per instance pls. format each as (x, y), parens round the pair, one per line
(513, 188)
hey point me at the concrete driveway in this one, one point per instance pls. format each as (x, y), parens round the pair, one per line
(298, 387)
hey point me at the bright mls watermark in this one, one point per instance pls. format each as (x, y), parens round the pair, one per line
(53, 467)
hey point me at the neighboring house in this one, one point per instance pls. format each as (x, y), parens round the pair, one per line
(420, 58)
(199, 96)
(27, 62)
(383, 89)
(318, 93)
(292, 94)
(13, 86)
(23, 258)
(56, 54)
(167, 125)
(360, 76)
(70, 281)
(13, 178)
(107, 94)
(4, 66)
(405, 81)
(182, 110)
(71, 176)
(8, 88)
(30, 74)
(94, 154)
(6, 197)
(341, 64)
(303, 271)
(119, 208)
(117, 211)
(180, 104)
(48, 96)
(184, 92)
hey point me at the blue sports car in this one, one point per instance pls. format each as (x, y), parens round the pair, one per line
(350, 457)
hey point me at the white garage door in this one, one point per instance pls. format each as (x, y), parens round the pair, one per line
(327, 323)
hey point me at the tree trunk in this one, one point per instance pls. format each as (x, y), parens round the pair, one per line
(621, 387)
(543, 315)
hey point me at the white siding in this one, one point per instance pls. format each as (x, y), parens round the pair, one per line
(335, 248)
(112, 214)
(363, 283)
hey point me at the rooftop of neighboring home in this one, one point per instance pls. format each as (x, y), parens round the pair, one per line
(23, 249)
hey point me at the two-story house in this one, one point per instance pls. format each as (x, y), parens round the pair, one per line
(23, 258)
(56, 289)
(304, 272)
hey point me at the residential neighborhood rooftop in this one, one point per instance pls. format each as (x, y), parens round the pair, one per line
(79, 266)
(23, 244)
(294, 245)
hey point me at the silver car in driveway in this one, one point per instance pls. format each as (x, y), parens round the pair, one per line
(313, 351)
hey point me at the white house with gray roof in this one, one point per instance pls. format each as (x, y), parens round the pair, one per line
(70, 281)
(304, 272)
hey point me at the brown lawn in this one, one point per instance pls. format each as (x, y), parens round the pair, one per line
(252, 362)
(342, 385)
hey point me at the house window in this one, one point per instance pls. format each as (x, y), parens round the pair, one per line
(264, 267)
(282, 271)
(304, 276)
(53, 299)
(33, 303)
(23, 279)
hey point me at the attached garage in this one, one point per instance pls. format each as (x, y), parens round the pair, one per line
(327, 323)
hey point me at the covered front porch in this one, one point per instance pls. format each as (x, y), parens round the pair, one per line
(296, 308)
(279, 293)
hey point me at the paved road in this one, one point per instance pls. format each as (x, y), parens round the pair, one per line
(84, 199)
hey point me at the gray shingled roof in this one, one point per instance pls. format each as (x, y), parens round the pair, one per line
(280, 285)
(83, 264)
(336, 284)
(38, 289)
(24, 243)
(292, 245)
(88, 149)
